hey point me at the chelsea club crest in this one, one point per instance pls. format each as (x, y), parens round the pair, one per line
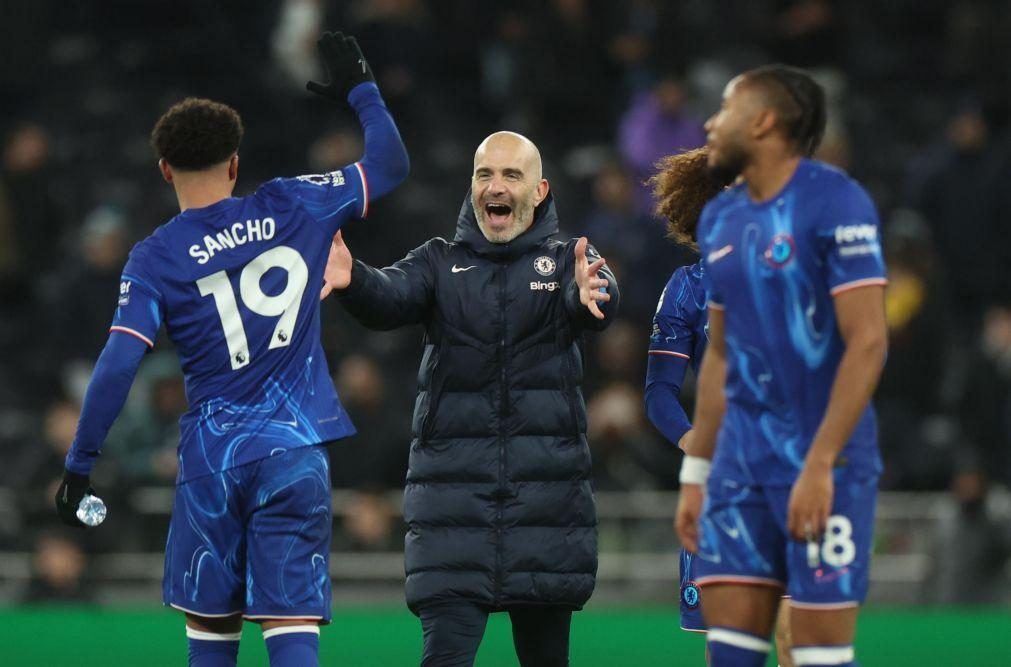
(780, 251)
(544, 265)
(690, 595)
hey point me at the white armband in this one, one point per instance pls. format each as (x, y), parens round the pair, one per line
(695, 470)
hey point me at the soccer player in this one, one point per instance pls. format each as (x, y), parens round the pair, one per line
(682, 187)
(235, 280)
(795, 285)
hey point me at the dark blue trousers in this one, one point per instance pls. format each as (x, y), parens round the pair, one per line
(453, 632)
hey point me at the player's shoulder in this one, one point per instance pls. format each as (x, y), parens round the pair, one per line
(689, 275)
(147, 259)
(732, 197)
(274, 188)
(831, 182)
(684, 292)
(155, 245)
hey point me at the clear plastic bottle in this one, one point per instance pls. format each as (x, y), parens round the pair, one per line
(91, 510)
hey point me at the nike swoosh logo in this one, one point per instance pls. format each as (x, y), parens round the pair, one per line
(458, 269)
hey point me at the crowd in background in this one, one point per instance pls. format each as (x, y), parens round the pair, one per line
(919, 113)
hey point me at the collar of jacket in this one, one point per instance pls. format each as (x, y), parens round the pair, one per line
(544, 226)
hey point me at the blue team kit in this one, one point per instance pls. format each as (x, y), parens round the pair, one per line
(678, 340)
(774, 268)
(237, 284)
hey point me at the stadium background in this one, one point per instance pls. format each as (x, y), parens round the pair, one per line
(919, 114)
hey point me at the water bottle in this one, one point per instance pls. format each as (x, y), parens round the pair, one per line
(91, 510)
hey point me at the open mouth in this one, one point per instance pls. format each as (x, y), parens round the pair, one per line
(497, 214)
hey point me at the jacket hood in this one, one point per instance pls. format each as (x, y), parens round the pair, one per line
(544, 226)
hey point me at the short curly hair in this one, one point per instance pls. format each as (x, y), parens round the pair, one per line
(196, 134)
(682, 188)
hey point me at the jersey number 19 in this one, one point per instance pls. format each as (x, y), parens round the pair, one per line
(284, 304)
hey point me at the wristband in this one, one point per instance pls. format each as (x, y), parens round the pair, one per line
(695, 470)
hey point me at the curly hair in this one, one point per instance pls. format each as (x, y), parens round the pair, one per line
(196, 134)
(682, 188)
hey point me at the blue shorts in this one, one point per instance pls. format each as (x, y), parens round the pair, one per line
(253, 540)
(691, 595)
(743, 539)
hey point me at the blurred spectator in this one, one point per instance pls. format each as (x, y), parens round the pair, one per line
(294, 42)
(627, 455)
(377, 456)
(58, 567)
(972, 549)
(807, 33)
(618, 354)
(959, 187)
(398, 38)
(910, 391)
(30, 222)
(655, 125)
(142, 443)
(83, 296)
(36, 472)
(985, 407)
(369, 524)
(572, 82)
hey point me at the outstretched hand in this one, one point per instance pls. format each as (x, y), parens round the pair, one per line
(344, 63)
(589, 282)
(337, 274)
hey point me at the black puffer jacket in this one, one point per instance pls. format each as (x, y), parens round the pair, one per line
(498, 502)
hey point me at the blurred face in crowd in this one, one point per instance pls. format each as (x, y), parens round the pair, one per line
(507, 185)
(730, 131)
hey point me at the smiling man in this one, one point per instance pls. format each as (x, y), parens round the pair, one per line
(498, 501)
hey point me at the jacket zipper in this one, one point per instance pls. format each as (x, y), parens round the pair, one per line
(503, 411)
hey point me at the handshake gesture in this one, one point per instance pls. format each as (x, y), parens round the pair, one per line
(345, 66)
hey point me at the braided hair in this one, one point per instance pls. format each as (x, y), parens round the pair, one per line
(798, 100)
(682, 187)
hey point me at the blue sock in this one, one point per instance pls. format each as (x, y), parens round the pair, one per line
(733, 648)
(293, 645)
(210, 649)
(836, 656)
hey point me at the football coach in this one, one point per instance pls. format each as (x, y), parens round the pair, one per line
(498, 501)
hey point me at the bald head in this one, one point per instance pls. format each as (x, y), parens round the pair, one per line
(514, 146)
(507, 185)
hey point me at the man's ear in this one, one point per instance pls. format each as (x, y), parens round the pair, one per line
(165, 169)
(764, 123)
(233, 167)
(541, 193)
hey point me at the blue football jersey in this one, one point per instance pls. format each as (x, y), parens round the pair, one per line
(681, 323)
(237, 286)
(774, 267)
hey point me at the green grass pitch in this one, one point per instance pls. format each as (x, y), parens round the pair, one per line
(391, 637)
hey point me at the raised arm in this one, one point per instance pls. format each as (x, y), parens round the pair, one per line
(381, 299)
(385, 163)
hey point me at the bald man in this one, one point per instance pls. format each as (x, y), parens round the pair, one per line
(498, 501)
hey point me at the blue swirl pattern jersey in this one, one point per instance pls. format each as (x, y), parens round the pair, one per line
(681, 324)
(238, 285)
(774, 267)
